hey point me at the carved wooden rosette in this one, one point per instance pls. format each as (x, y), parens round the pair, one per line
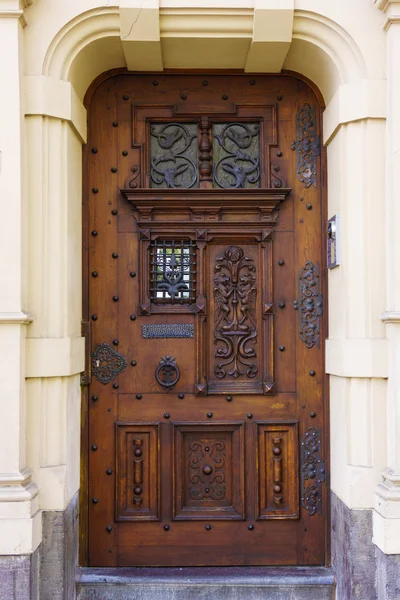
(232, 289)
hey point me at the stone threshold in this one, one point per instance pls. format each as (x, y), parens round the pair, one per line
(208, 576)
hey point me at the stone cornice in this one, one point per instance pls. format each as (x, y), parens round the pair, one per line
(391, 316)
(15, 318)
(391, 8)
(14, 14)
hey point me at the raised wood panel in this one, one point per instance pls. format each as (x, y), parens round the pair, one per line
(278, 465)
(208, 471)
(138, 472)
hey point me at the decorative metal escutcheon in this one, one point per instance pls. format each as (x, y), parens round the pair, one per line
(107, 364)
(167, 373)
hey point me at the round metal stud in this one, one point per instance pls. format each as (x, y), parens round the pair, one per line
(138, 452)
(250, 527)
(125, 97)
(279, 98)
(209, 415)
(109, 528)
(95, 274)
(281, 262)
(115, 386)
(249, 415)
(155, 83)
(95, 447)
(183, 97)
(115, 342)
(252, 82)
(229, 398)
(95, 398)
(207, 469)
(95, 500)
(108, 409)
(205, 83)
(115, 298)
(133, 317)
(207, 527)
(114, 212)
(309, 206)
(166, 527)
(224, 97)
(95, 190)
(124, 152)
(277, 451)
(181, 396)
(132, 274)
(139, 396)
(313, 414)
(167, 415)
(115, 254)
(95, 233)
(207, 490)
(277, 489)
(94, 150)
(279, 154)
(109, 471)
(312, 373)
(115, 124)
(94, 317)
(138, 490)
(114, 169)
(133, 363)
(282, 305)
(281, 348)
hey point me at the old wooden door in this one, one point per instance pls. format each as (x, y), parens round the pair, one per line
(205, 437)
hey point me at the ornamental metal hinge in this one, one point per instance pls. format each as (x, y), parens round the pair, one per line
(309, 305)
(312, 471)
(86, 332)
(307, 145)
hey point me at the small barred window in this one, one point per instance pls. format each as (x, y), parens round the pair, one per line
(173, 272)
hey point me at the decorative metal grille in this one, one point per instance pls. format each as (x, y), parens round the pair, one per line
(173, 272)
(174, 155)
(236, 155)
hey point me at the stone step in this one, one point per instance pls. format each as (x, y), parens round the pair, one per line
(206, 583)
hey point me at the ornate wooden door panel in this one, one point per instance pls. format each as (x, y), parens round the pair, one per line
(203, 302)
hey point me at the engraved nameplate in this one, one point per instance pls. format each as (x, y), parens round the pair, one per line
(169, 330)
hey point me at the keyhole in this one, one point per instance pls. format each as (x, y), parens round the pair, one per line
(97, 363)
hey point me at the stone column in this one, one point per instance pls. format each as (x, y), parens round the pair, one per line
(387, 496)
(20, 518)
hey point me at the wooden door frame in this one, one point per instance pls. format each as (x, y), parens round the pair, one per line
(83, 536)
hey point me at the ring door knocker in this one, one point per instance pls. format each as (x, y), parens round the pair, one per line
(167, 373)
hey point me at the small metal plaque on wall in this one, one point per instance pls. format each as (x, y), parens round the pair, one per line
(333, 243)
(168, 330)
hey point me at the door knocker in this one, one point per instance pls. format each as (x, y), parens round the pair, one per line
(167, 372)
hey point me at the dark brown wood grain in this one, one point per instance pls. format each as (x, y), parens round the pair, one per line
(207, 472)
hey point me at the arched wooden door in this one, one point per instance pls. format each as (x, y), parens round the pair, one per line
(205, 431)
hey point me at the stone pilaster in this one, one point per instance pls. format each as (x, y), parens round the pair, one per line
(387, 495)
(20, 526)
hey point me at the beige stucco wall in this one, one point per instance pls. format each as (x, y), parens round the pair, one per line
(55, 49)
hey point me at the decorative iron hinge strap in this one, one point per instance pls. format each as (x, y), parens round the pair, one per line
(86, 332)
(312, 471)
(307, 145)
(309, 305)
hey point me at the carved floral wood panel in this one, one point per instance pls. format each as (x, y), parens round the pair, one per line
(209, 471)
